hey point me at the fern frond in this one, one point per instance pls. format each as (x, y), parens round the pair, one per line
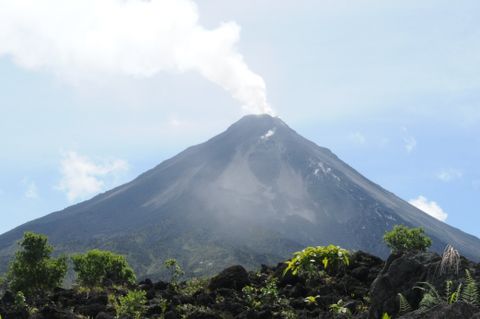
(455, 295)
(429, 288)
(385, 316)
(404, 306)
(448, 290)
(470, 292)
(430, 298)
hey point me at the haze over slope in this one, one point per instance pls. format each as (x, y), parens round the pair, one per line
(251, 195)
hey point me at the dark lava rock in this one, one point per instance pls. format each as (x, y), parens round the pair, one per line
(104, 315)
(161, 285)
(202, 315)
(235, 277)
(400, 274)
(91, 310)
(171, 315)
(49, 312)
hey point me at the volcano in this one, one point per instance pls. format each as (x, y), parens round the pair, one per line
(251, 195)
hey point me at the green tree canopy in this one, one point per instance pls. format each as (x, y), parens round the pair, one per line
(402, 239)
(96, 267)
(33, 271)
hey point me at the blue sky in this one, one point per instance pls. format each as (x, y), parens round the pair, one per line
(391, 87)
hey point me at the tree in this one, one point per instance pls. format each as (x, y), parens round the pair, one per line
(33, 271)
(97, 267)
(402, 239)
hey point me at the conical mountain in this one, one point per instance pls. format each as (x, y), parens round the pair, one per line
(251, 195)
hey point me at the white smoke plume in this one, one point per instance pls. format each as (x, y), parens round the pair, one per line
(138, 38)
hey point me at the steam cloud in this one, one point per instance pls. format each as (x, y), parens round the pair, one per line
(82, 177)
(429, 207)
(137, 38)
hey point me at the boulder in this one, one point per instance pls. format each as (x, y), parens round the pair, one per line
(235, 277)
(400, 274)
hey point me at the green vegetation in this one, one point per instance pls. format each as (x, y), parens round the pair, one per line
(402, 239)
(340, 309)
(33, 271)
(193, 286)
(470, 292)
(175, 270)
(466, 292)
(257, 297)
(311, 300)
(404, 305)
(131, 305)
(97, 267)
(308, 261)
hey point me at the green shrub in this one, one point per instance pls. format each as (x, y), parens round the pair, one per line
(132, 304)
(268, 294)
(174, 269)
(96, 267)
(308, 261)
(33, 271)
(193, 286)
(402, 239)
(256, 297)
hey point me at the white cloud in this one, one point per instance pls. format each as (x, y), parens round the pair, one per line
(357, 138)
(409, 140)
(448, 175)
(81, 177)
(31, 192)
(429, 207)
(81, 39)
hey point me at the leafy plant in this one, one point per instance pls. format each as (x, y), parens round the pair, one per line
(311, 300)
(470, 292)
(175, 270)
(308, 261)
(163, 306)
(386, 316)
(96, 267)
(340, 309)
(193, 285)
(404, 306)
(20, 301)
(132, 304)
(33, 271)
(268, 295)
(402, 239)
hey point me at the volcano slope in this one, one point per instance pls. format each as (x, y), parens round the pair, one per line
(250, 195)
